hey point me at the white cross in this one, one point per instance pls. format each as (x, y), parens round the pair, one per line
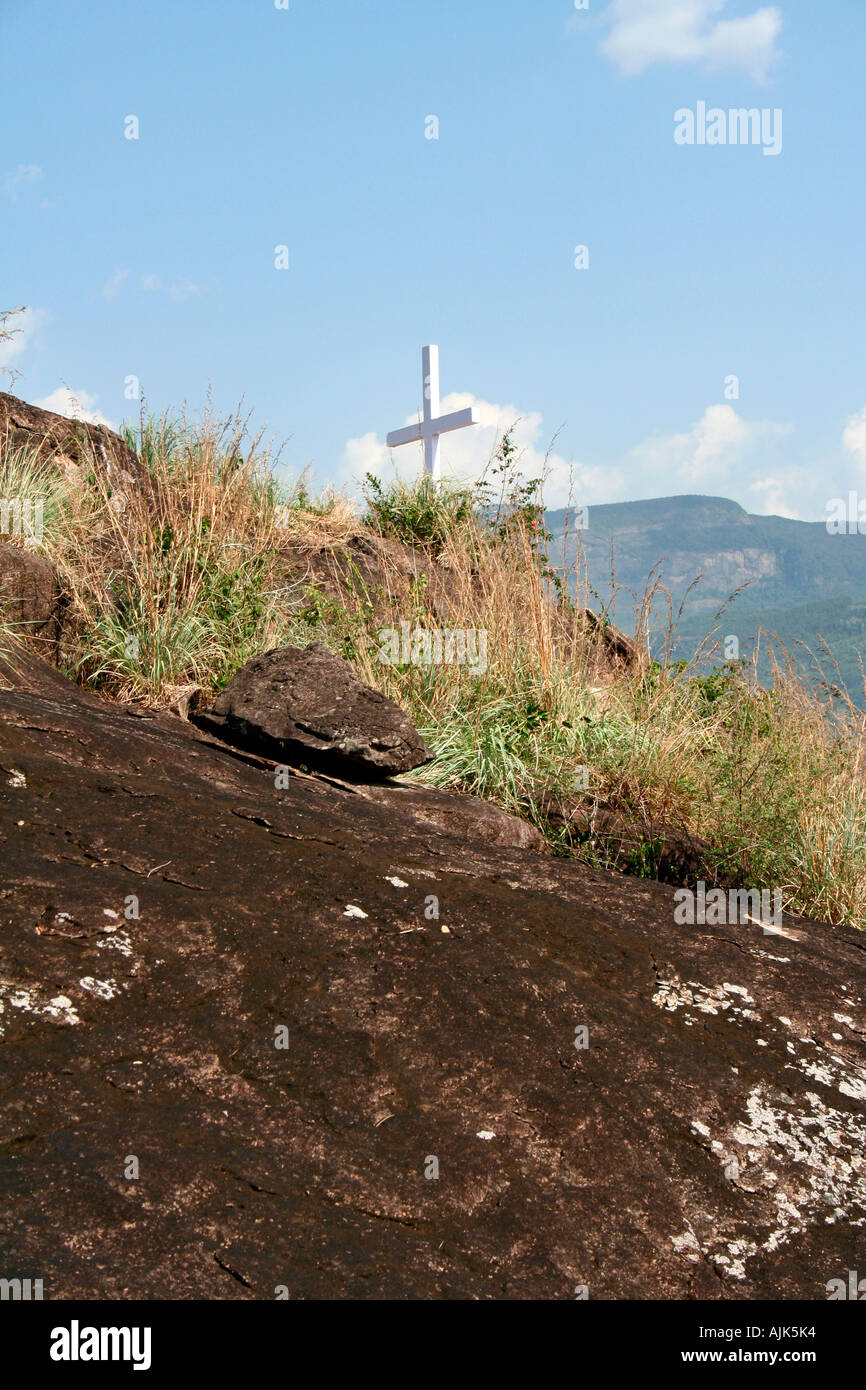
(433, 424)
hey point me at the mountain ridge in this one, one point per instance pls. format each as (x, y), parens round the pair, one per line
(795, 577)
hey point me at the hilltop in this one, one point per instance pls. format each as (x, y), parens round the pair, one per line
(173, 556)
(277, 1022)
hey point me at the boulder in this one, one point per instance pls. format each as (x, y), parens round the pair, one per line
(287, 1002)
(307, 703)
(31, 602)
(70, 443)
(615, 647)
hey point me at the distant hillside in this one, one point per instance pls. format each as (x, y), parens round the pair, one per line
(802, 582)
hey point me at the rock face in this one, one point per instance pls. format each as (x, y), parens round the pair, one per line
(345, 1049)
(310, 701)
(618, 648)
(30, 596)
(69, 442)
(466, 816)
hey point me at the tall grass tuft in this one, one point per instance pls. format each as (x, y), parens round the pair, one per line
(177, 585)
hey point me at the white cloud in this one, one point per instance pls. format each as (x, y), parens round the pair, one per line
(644, 32)
(184, 289)
(721, 455)
(854, 438)
(466, 453)
(776, 492)
(179, 290)
(19, 178)
(75, 405)
(716, 454)
(112, 285)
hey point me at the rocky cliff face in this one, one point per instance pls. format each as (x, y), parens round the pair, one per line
(266, 1033)
(721, 567)
(785, 562)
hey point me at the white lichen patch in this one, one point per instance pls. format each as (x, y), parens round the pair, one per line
(352, 911)
(397, 882)
(734, 1262)
(830, 1070)
(16, 778)
(115, 940)
(807, 1157)
(103, 989)
(816, 1070)
(26, 998)
(687, 1245)
(705, 999)
(61, 1007)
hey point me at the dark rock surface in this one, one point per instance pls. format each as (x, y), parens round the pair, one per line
(31, 601)
(309, 701)
(466, 816)
(707, 1143)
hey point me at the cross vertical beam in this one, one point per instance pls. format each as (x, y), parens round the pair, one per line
(430, 375)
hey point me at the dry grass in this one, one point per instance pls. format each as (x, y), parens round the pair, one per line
(173, 585)
(175, 588)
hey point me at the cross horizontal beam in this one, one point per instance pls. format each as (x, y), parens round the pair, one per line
(413, 433)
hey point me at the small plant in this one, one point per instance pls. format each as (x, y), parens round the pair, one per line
(425, 513)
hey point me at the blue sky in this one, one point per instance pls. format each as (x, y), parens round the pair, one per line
(307, 127)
